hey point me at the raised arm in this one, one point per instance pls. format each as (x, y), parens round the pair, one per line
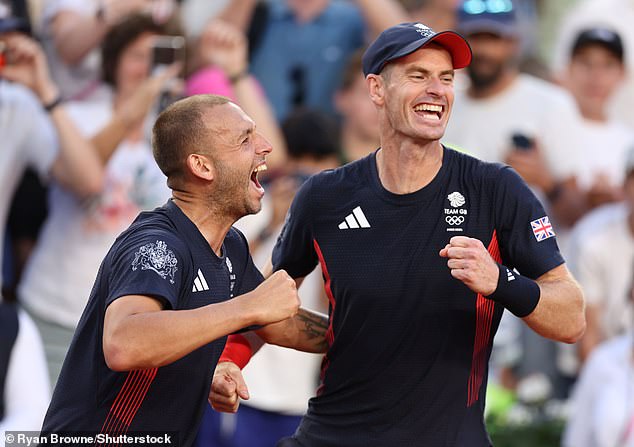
(76, 34)
(138, 333)
(225, 46)
(76, 166)
(382, 14)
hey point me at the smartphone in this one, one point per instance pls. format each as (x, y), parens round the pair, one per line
(166, 50)
(522, 142)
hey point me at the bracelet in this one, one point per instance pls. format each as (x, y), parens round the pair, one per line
(233, 79)
(515, 292)
(237, 350)
(54, 103)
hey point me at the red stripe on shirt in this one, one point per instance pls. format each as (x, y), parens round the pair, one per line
(128, 401)
(330, 335)
(485, 309)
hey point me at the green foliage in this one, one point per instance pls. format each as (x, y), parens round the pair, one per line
(540, 433)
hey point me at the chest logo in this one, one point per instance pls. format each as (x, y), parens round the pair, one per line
(356, 219)
(158, 258)
(455, 214)
(456, 199)
(200, 283)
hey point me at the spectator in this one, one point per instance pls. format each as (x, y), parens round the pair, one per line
(303, 46)
(54, 287)
(73, 31)
(614, 14)
(359, 118)
(604, 259)
(602, 410)
(595, 71)
(36, 132)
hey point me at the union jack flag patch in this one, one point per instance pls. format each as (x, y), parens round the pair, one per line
(542, 229)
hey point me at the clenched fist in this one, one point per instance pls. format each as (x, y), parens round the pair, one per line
(471, 263)
(274, 300)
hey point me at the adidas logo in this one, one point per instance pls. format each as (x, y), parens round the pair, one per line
(200, 283)
(355, 220)
(509, 275)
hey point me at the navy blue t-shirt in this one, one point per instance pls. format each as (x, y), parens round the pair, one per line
(162, 255)
(409, 344)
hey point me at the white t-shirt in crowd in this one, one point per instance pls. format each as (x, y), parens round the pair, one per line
(282, 380)
(599, 149)
(604, 267)
(76, 236)
(602, 404)
(79, 79)
(27, 388)
(615, 14)
(28, 139)
(536, 108)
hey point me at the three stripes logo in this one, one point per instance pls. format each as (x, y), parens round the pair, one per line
(509, 275)
(356, 219)
(200, 283)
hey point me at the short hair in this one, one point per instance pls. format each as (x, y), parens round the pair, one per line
(179, 131)
(312, 133)
(119, 37)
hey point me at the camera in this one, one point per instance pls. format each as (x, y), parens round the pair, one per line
(522, 142)
(166, 50)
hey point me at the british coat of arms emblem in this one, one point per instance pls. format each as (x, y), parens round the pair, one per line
(158, 258)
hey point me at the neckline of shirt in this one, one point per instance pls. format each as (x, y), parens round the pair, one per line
(425, 194)
(188, 229)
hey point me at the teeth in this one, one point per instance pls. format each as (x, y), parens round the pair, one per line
(428, 108)
(260, 168)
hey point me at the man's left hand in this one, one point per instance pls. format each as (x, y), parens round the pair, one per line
(471, 263)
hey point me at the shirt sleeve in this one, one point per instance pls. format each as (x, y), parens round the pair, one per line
(152, 263)
(294, 250)
(526, 236)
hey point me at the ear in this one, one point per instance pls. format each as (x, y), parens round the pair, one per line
(376, 87)
(200, 166)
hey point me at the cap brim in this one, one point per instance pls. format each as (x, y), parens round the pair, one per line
(453, 42)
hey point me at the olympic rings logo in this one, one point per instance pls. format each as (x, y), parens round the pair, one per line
(454, 220)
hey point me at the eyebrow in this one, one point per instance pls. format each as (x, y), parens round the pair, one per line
(246, 132)
(428, 72)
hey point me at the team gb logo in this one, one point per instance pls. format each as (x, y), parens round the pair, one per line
(456, 199)
(158, 258)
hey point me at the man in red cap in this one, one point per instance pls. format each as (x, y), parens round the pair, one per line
(422, 248)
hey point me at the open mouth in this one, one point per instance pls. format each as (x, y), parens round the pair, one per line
(254, 175)
(429, 111)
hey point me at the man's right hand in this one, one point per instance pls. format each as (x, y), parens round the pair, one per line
(274, 300)
(227, 388)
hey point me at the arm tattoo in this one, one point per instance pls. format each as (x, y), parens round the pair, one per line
(313, 327)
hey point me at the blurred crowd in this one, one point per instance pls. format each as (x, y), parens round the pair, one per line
(550, 92)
